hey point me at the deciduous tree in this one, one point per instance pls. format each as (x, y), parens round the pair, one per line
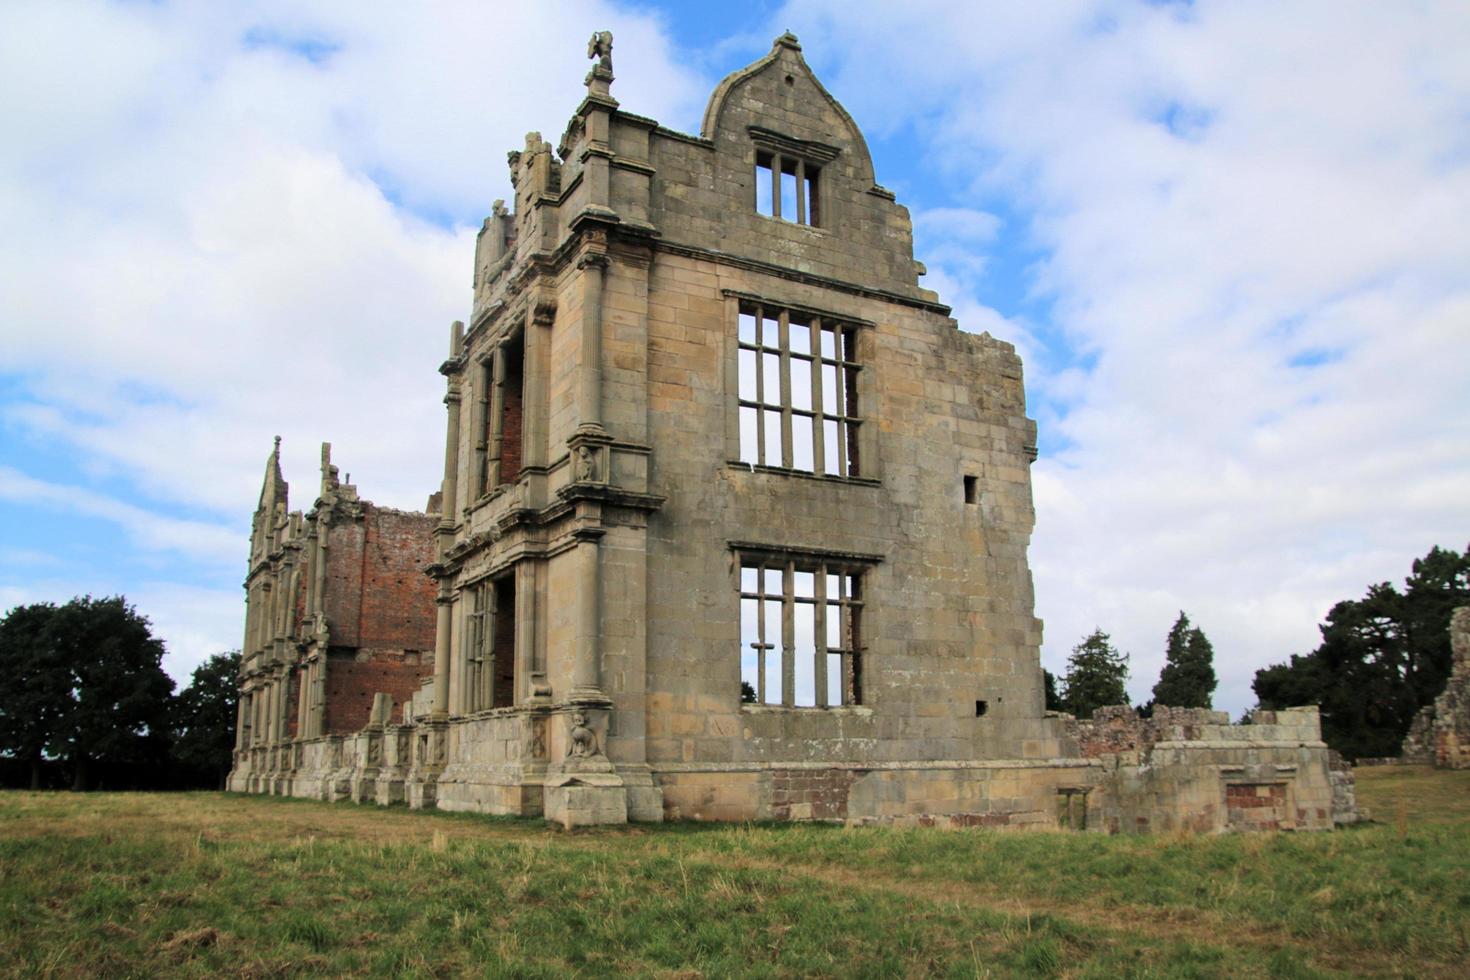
(35, 685)
(204, 733)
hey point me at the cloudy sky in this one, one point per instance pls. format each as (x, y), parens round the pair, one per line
(1232, 241)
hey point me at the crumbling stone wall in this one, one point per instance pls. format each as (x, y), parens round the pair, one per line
(1190, 769)
(1440, 734)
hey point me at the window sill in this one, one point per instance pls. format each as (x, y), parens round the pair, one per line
(788, 223)
(857, 710)
(861, 481)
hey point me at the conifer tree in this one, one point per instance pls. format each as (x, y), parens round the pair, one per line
(1096, 676)
(1188, 678)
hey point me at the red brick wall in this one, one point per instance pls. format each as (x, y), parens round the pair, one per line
(1255, 806)
(510, 434)
(380, 607)
(397, 607)
(505, 644)
(825, 789)
(353, 677)
(377, 594)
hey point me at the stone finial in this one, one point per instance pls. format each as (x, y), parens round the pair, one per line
(787, 40)
(600, 47)
(599, 79)
(329, 472)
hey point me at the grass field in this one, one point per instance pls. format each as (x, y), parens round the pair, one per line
(208, 885)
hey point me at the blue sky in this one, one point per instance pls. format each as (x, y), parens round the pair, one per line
(1229, 239)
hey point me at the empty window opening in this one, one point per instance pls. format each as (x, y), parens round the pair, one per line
(511, 411)
(981, 707)
(1072, 809)
(490, 636)
(972, 490)
(786, 188)
(798, 392)
(799, 634)
(499, 416)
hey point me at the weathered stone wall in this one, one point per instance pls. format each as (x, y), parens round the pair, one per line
(1190, 769)
(1440, 733)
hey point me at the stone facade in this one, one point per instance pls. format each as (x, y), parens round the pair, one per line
(735, 517)
(337, 610)
(1440, 734)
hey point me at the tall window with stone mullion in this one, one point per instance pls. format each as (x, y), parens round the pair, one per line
(798, 391)
(799, 633)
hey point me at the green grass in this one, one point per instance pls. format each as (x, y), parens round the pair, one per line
(209, 885)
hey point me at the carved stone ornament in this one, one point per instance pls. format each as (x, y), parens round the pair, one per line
(587, 469)
(582, 743)
(600, 47)
(537, 746)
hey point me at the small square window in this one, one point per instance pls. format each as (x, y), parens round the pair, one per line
(786, 188)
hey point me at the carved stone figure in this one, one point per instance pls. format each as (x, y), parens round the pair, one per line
(600, 47)
(586, 458)
(583, 742)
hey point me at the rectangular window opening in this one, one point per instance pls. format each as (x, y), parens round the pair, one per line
(972, 490)
(799, 633)
(512, 433)
(786, 188)
(797, 383)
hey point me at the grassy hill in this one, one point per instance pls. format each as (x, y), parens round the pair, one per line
(210, 885)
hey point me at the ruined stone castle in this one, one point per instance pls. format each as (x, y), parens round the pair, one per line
(733, 526)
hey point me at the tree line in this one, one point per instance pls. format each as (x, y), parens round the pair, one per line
(1097, 674)
(84, 701)
(1381, 659)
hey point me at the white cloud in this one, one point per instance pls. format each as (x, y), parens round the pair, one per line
(1254, 226)
(149, 531)
(212, 238)
(229, 221)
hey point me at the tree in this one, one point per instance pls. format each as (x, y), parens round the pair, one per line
(1381, 658)
(1053, 699)
(1096, 675)
(84, 682)
(35, 686)
(204, 731)
(1188, 677)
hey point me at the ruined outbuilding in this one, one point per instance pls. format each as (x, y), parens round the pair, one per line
(338, 609)
(1440, 733)
(735, 518)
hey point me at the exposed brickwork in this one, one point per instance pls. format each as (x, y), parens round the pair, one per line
(1256, 806)
(511, 435)
(397, 606)
(353, 677)
(505, 644)
(811, 794)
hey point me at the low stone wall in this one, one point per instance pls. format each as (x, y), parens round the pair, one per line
(1181, 770)
(1188, 769)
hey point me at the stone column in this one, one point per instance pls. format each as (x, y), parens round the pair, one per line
(586, 667)
(497, 416)
(449, 490)
(589, 392)
(319, 572)
(533, 378)
(242, 718)
(441, 655)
